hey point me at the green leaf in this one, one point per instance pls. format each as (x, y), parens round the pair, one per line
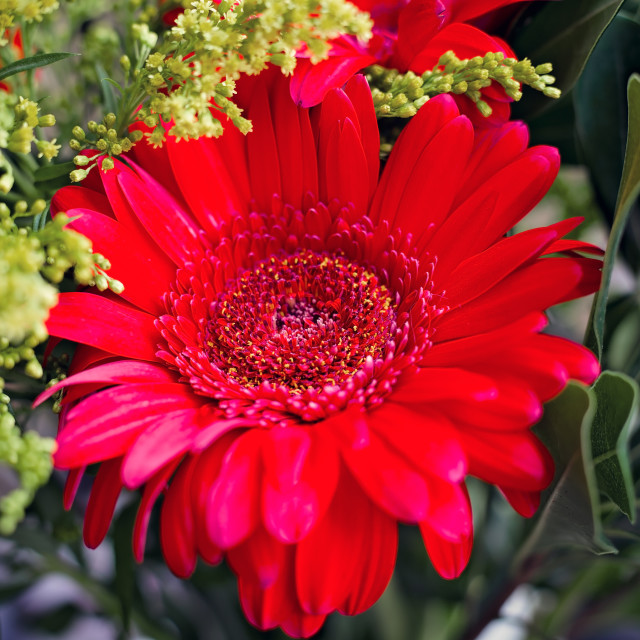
(627, 194)
(586, 431)
(107, 84)
(125, 573)
(617, 406)
(602, 89)
(571, 513)
(33, 62)
(563, 33)
(53, 171)
(554, 126)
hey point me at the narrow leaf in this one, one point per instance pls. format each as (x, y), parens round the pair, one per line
(617, 406)
(627, 194)
(571, 512)
(602, 89)
(33, 62)
(53, 171)
(124, 564)
(563, 33)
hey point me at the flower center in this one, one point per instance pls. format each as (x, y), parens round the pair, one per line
(303, 321)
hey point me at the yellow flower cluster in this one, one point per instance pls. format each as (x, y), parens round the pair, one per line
(400, 95)
(29, 455)
(26, 10)
(188, 76)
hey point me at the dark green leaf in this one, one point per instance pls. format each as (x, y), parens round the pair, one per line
(125, 573)
(107, 85)
(622, 335)
(554, 126)
(15, 585)
(628, 192)
(617, 405)
(563, 33)
(602, 90)
(53, 171)
(571, 514)
(33, 62)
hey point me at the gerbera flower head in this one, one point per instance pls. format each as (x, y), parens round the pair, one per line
(410, 35)
(305, 355)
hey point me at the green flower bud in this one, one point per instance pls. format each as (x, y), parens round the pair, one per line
(78, 175)
(47, 120)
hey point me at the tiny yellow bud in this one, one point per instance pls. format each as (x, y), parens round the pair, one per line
(47, 120)
(78, 175)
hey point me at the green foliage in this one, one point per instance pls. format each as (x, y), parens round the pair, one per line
(400, 95)
(564, 33)
(601, 140)
(30, 456)
(187, 77)
(33, 62)
(23, 10)
(628, 192)
(587, 432)
(571, 514)
(616, 412)
(32, 260)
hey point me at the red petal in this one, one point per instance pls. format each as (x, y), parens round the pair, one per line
(267, 606)
(418, 23)
(200, 170)
(414, 138)
(449, 511)
(449, 557)
(146, 273)
(152, 490)
(162, 216)
(463, 39)
(177, 533)
(346, 171)
(107, 325)
(482, 272)
(169, 436)
(233, 508)
(262, 149)
(385, 476)
(260, 559)
(432, 384)
(524, 502)
(540, 285)
(311, 82)
(289, 504)
(465, 10)
(80, 197)
(102, 502)
(112, 372)
(429, 443)
(108, 422)
(71, 486)
(512, 460)
(346, 562)
(359, 92)
(477, 348)
(205, 473)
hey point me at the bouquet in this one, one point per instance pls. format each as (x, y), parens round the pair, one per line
(299, 298)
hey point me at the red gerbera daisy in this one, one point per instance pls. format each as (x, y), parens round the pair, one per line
(304, 355)
(409, 35)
